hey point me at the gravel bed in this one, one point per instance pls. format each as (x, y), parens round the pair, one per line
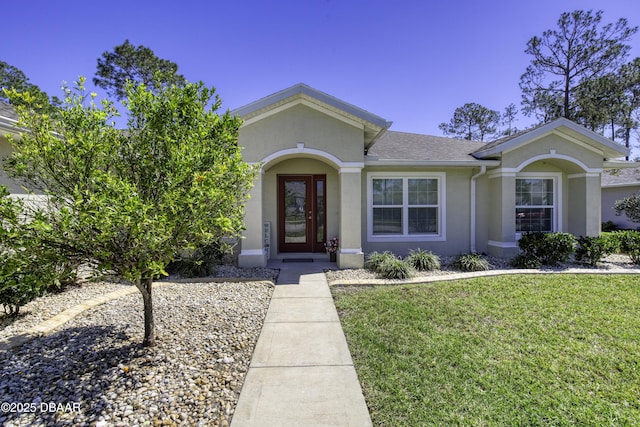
(613, 263)
(95, 369)
(51, 304)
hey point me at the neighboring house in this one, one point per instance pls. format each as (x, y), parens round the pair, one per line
(616, 185)
(329, 168)
(8, 120)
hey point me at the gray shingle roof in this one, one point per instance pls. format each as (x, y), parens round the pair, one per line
(621, 177)
(411, 146)
(7, 111)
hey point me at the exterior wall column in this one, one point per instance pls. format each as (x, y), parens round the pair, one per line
(253, 253)
(350, 254)
(584, 204)
(502, 223)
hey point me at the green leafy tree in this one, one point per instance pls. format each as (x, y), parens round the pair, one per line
(128, 201)
(472, 121)
(136, 64)
(12, 78)
(630, 206)
(579, 49)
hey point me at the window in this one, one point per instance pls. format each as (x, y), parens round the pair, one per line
(535, 205)
(406, 206)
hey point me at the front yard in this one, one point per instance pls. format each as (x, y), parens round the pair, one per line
(510, 350)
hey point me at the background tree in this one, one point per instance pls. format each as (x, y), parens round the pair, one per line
(472, 121)
(508, 119)
(137, 64)
(579, 49)
(13, 78)
(128, 201)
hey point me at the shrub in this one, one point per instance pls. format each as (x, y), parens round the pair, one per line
(548, 248)
(608, 226)
(376, 259)
(201, 261)
(395, 268)
(592, 250)
(630, 244)
(526, 261)
(423, 260)
(470, 262)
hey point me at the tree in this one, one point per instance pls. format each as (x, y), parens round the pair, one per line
(128, 201)
(13, 78)
(630, 206)
(508, 119)
(472, 121)
(578, 50)
(137, 64)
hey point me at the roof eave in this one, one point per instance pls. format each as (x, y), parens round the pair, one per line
(610, 149)
(438, 163)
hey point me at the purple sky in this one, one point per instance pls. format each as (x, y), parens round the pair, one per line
(410, 61)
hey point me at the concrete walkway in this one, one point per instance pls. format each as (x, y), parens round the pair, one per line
(301, 373)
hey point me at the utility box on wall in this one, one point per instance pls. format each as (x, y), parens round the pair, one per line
(266, 239)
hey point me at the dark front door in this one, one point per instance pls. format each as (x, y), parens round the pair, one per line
(301, 213)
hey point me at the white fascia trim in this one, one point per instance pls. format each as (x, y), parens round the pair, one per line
(498, 244)
(583, 175)
(629, 184)
(349, 251)
(500, 174)
(442, 204)
(619, 164)
(352, 169)
(438, 163)
(311, 152)
(303, 100)
(252, 252)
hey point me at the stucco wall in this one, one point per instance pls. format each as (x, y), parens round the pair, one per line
(457, 193)
(300, 123)
(609, 197)
(561, 146)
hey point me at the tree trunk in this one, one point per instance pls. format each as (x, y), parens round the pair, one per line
(145, 288)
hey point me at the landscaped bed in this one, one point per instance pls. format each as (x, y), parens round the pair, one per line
(509, 350)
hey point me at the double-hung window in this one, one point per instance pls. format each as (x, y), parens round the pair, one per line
(405, 206)
(536, 204)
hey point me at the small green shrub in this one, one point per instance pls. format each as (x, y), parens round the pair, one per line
(201, 261)
(376, 259)
(423, 260)
(612, 240)
(592, 250)
(525, 261)
(470, 262)
(395, 268)
(630, 244)
(608, 226)
(548, 248)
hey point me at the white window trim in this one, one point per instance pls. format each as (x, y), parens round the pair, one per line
(557, 197)
(441, 234)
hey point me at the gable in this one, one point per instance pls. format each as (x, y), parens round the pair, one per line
(301, 124)
(301, 114)
(564, 129)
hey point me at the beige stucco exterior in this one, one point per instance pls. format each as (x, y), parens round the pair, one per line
(303, 132)
(304, 138)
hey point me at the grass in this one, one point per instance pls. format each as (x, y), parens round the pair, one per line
(510, 350)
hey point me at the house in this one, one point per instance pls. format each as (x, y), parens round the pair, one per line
(616, 185)
(329, 168)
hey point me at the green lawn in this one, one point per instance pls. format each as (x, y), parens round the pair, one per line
(509, 350)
